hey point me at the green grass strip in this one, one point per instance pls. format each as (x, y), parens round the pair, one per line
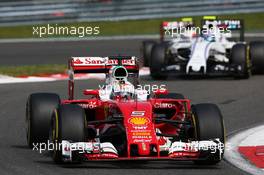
(37, 70)
(253, 22)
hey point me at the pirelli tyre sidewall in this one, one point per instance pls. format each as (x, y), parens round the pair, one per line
(240, 58)
(209, 125)
(257, 56)
(68, 123)
(146, 49)
(158, 61)
(39, 110)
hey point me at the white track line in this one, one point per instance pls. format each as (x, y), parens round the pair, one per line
(248, 137)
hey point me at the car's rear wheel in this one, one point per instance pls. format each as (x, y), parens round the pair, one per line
(147, 47)
(158, 61)
(257, 56)
(39, 110)
(240, 59)
(209, 125)
(68, 123)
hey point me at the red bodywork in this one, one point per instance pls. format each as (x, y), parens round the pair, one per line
(139, 122)
(138, 119)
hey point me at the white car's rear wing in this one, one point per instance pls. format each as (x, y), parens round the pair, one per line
(230, 24)
(168, 26)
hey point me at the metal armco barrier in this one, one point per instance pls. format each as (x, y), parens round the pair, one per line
(39, 12)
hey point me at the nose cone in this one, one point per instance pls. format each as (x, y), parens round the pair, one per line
(196, 68)
(143, 149)
(140, 129)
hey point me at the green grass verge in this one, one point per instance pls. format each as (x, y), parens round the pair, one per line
(37, 70)
(253, 22)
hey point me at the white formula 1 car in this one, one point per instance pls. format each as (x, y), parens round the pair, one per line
(211, 52)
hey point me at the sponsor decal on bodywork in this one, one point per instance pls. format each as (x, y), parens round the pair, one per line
(138, 121)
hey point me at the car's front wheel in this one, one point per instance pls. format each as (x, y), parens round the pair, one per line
(209, 125)
(158, 61)
(146, 49)
(39, 110)
(68, 123)
(240, 59)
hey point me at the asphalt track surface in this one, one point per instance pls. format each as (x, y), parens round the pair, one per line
(31, 53)
(59, 52)
(241, 102)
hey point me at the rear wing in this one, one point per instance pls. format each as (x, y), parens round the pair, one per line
(230, 24)
(102, 64)
(172, 25)
(98, 65)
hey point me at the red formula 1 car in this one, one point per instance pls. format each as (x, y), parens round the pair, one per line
(120, 121)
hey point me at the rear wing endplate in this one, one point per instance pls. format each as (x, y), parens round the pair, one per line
(231, 24)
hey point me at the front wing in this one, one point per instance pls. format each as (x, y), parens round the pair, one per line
(176, 151)
(221, 70)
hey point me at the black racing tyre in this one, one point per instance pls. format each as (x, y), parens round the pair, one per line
(146, 49)
(157, 61)
(256, 50)
(68, 123)
(39, 110)
(208, 123)
(240, 58)
(171, 95)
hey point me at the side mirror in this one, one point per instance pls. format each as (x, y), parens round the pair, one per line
(161, 92)
(91, 92)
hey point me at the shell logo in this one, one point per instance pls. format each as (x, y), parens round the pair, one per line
(138, 120)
